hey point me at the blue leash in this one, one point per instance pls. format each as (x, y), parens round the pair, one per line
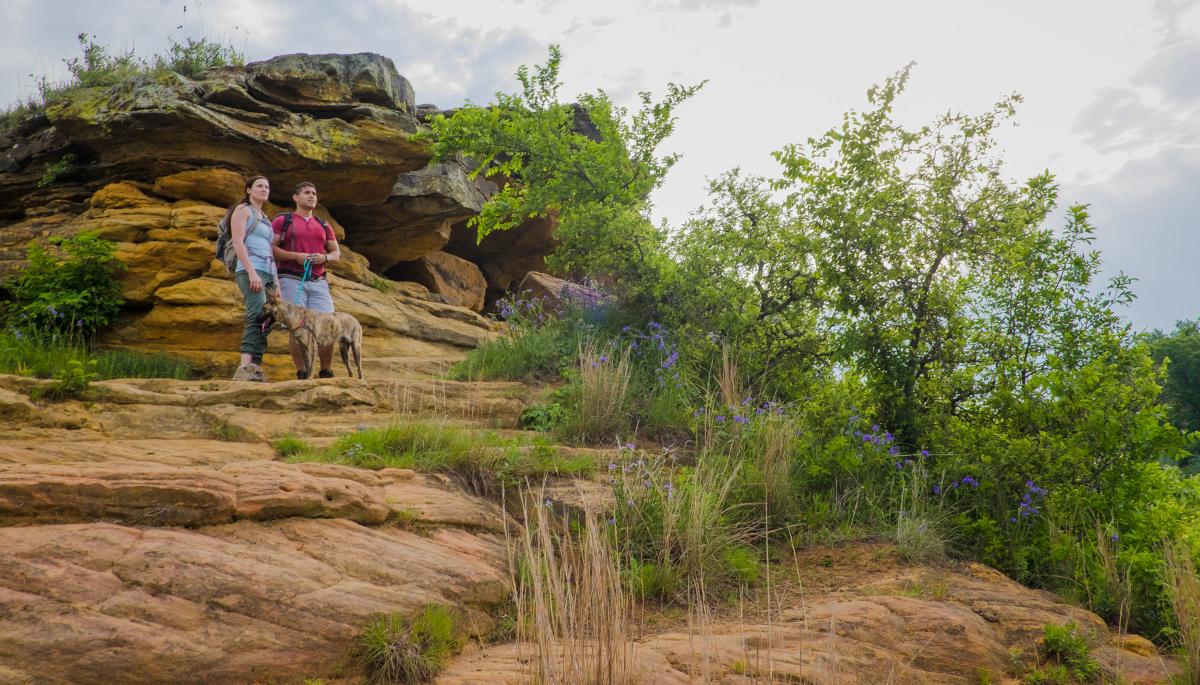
(303, 280)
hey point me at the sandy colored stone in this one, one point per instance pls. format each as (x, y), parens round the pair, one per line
(415, 219)
(237, 603)
(146, 493)
(505, 257)
(455, 279)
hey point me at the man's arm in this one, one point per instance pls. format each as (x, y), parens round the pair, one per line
(332, 251)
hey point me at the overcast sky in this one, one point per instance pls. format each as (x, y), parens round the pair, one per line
(1112, 88)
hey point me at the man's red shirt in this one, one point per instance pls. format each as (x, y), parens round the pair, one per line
(305, 236)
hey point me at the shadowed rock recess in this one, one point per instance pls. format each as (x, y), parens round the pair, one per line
(148, 531)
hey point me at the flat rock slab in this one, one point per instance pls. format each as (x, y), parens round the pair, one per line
(919, 626)
(237, 603)
(146, 493)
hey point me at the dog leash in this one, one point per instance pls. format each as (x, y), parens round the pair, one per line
(303, 280)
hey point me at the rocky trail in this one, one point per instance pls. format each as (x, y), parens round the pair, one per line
(140, 548)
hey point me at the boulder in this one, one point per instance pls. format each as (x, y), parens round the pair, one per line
(147, 128)
(505, 257)
(555, 292)
(416, 218)
(329, 83)
(458, 281)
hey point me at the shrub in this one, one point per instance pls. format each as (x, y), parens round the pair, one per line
(543, 417)
(1070, 648)
(55, 169)
(741, 564)
(396, 649)
(1049, 675)
(651, 581)
(70, 289)
(193, 57)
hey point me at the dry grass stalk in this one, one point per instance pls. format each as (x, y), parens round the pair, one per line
(572, 610)
(604, 393)
(1183, 589)
(730, 381)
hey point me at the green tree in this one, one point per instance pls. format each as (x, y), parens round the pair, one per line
(1179, 352)
(747, 275)
(593, 165)
(939, 274)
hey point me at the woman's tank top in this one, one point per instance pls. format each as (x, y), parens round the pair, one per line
(258, 241)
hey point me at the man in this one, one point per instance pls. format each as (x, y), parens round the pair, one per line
(301, 240)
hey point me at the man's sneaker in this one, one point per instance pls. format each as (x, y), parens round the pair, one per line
(246, 373)
(302, 375)
(325, 373)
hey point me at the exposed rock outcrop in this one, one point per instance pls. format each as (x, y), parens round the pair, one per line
(153, 163)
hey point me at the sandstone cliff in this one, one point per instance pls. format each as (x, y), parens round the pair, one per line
(152, 164)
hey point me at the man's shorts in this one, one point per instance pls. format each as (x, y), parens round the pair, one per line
(314, 295)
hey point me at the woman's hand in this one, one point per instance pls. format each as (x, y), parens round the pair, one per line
(255, 282)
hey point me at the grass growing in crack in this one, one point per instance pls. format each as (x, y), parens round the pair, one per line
(290, 445)
(221, 429)
(1070, 647)
(396, 649)
(483, 461)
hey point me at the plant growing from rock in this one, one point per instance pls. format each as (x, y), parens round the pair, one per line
(69, 288)
(398, 649)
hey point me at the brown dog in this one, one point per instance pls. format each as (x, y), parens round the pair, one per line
(313, 330)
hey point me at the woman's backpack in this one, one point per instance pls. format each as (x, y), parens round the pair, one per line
(225, 252)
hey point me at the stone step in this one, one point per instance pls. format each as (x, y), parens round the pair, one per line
(151, 494)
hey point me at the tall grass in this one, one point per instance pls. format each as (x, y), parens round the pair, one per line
(678, 527)
(536, 345)
(598, 406)
(47, 356)
(482, 461)
(572, 609)
(1183, 592)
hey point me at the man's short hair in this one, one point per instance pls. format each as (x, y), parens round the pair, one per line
(302, 185)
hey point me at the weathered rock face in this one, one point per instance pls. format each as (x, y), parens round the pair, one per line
(505, 257)
(556, 293)
(458, 281)
(417, 216)
(151, 163)
(326, 83)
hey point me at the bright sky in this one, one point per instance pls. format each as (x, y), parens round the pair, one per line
(1112, 88)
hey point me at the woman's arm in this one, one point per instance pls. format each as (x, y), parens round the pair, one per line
(237, 226)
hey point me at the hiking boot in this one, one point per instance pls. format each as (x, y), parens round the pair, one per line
(325, 373)
(246, 373)
(256, 376)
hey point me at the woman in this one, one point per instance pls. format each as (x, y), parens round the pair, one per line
(251, 238)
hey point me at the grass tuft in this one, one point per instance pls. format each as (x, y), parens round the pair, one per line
(484, 462)
(290, 446)
(396, 649)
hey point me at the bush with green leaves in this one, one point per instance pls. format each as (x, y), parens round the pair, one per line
(1070, 647)
(68, 287)
(395, 649)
